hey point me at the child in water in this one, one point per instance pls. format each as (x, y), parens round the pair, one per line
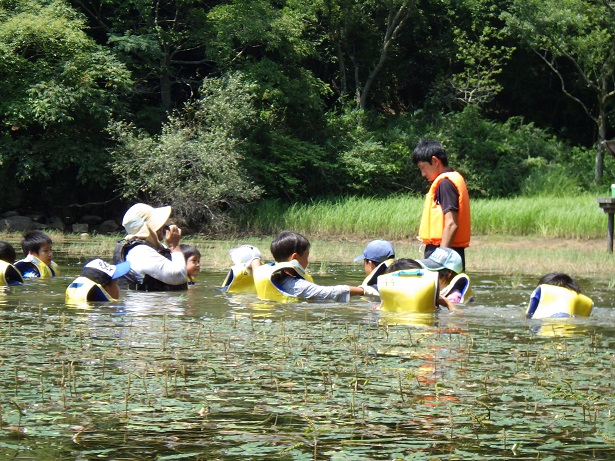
(455, 285)
(558, 295)
(406, 264)
(376, 257)
(193, 262)
(286, 279)
(9, 275)
(36, 246)
(97, 282)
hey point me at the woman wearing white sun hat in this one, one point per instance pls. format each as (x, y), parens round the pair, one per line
(154, 267)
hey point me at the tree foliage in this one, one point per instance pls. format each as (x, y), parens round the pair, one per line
(59, 89)
(194, 165)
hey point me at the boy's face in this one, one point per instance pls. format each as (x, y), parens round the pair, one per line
(113, 289)
(430, 170)
(193, 265)
(44, 253)
(368, 266)
(303, 258)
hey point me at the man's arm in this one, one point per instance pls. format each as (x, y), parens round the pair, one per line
(451, 224)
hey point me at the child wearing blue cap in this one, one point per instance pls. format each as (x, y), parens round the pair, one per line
(377, 256)
(97, 282)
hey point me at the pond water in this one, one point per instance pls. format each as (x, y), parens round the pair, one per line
(212, 376)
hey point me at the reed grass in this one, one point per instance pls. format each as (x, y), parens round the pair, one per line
(398, 217)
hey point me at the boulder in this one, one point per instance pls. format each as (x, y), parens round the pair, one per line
(56, 223)
(16, 224)
(108, 227)
(80, 228)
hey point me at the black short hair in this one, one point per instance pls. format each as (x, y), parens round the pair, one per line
(7, 252)
(426, 149)
(403, 264)
(34, 240)
(287, 243)
(559, 279)
(189, 251)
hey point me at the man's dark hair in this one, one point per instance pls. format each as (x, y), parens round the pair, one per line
(559, 279)
(7, 252)
(34, 240)
(426, 149)
(287, 243)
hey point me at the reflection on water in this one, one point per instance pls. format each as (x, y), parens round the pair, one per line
(208, 375)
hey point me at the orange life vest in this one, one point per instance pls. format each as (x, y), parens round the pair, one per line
(432, 222)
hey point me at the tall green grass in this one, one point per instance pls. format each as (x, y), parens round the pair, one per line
(398, 217)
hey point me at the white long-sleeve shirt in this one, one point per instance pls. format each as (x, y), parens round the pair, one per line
(144, 260)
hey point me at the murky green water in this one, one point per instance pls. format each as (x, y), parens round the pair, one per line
(211, 376)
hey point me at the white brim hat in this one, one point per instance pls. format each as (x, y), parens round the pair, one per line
(140, 216)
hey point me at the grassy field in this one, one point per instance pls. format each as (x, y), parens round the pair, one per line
(525, 236)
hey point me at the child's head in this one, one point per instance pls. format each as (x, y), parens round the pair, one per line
(193, 259)
(376, 252)
(446, 261)
(106, 275)
(560, 279)
(7, 252)
(38, 244)
(290, 245)
(402, 264)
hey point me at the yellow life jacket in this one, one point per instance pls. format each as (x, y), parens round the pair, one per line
(372, 277)
(461, 282)
(191, 280)
(413, 290)
(553, 301)
(83, 289)
(432, 221)
(43, 269)
(10, 274)
(239, 279)
(266, 287)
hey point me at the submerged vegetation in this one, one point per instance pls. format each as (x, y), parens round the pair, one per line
(229, 378)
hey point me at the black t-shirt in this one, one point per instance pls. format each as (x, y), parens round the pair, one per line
(447, 196)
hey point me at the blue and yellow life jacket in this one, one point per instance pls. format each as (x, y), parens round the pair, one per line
(82, 290)
(413, 290)
(372, 277)
(460, 282)
(10, 274)
(265, 280)
(34, 265)
(239, 279)
(550, 301)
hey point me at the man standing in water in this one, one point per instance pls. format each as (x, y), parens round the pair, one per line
(446, 213)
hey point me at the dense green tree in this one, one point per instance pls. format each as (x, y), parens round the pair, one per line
(59, 89)
(194, 164)
(575, 38)
(162, 43)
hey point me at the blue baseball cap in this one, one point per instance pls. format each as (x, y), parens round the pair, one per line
(378, 251)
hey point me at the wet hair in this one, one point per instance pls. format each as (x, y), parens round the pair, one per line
(446, 274)
(189, 251)
(559, 279)
(287, 243)
(34, 240)
(402, 264)
(7, 252)
(426, 149)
